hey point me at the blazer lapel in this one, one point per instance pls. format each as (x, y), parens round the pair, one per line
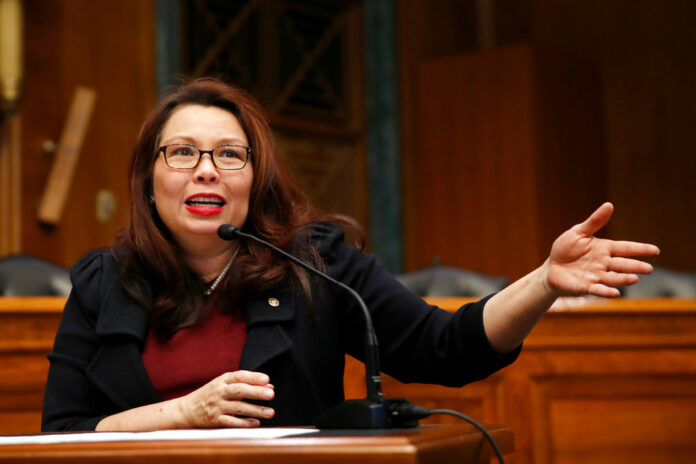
(117, 368)
(266, 339)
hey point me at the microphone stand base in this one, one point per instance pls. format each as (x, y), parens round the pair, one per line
(366, 414)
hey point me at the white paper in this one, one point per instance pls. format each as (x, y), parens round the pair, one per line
(188, 434)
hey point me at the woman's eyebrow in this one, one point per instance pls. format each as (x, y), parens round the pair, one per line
(232, 140)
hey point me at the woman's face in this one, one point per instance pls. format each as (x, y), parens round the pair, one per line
(183, 197)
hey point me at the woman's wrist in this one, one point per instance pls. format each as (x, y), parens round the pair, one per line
(550, 292)
(183, 413)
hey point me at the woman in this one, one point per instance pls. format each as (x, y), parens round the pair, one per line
(174, 327)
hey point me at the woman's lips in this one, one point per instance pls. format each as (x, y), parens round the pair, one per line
(205, 204)
(204, 210)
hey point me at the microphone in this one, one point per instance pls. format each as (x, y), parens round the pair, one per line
(373, 412)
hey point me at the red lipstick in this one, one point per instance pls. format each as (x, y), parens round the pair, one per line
(205, 204)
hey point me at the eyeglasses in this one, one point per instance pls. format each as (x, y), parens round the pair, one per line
(187, 156)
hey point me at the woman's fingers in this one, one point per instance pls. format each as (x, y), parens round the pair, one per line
(222, 402)
(244, 409)
(603, 291)
(237, 422)
(596, 221)
(252, 378)
(625, 248)
(631, 266)
(239, 391)
(618, 279)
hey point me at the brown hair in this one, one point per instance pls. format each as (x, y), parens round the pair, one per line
(279, 212)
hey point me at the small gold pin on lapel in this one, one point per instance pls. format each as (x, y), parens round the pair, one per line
(274, 302)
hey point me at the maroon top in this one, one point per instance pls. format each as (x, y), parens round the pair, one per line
(195, 355)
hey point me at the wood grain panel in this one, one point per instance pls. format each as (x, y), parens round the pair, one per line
(641, 56)
(594, 379)
(477, 215)
(597, 381)
(614, 104)
(10, 191)
(480, 401)
(615, 418)
(27, 329)
(502, 167)
(108, 46)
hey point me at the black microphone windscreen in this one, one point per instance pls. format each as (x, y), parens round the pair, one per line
(227, 231)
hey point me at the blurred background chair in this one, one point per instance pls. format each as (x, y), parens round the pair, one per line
(451, 281)
(663, 283)
(25, 275)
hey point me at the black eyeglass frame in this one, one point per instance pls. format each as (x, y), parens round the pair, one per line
(163, 150)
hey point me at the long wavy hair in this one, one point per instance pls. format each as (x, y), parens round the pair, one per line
(279, 212)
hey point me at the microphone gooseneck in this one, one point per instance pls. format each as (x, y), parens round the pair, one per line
(372, 377)
(375, 411)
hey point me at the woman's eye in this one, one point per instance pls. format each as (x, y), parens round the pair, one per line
(182, 151)
(229, 154)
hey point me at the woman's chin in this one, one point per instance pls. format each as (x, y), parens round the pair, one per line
(200, 229)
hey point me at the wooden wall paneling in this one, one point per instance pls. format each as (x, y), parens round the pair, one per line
(610, 418)
(594, 378)
(570, 156)
(481, 401)
(599, 381)
(10, 189)
(354, 378)
(650, 109)
(424, 30)
(641, 56)
(330, 162)
(476, 202)
(108, 46)
(66, 157)
(614, 107)
(330, 170)
(510, 153)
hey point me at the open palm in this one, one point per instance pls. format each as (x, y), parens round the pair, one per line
(583, 264)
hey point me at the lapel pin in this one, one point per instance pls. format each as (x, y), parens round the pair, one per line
(274, 302)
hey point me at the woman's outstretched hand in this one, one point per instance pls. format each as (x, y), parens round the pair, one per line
(580, 263)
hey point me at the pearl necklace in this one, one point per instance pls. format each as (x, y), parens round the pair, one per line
(219, 278)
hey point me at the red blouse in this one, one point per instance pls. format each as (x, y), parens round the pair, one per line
(195, 355)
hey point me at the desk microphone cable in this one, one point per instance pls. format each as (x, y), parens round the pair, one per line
(409, 411)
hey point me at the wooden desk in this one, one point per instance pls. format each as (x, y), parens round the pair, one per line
(602, 381)
(27, 329)
(459, 444)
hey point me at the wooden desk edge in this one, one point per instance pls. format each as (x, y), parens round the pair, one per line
(370, 443)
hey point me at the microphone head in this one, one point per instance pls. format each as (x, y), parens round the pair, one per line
(227, 231)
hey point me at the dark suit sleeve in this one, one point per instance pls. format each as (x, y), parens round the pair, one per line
(70, 401)
(418, 342)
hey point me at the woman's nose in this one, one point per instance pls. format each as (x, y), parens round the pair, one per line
(206, 172)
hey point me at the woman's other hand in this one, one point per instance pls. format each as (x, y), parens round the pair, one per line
(221, 402)
(580, 263)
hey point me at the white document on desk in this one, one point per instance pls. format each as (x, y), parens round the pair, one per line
(188, 434)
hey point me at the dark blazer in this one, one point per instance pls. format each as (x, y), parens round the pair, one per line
(96, 366)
